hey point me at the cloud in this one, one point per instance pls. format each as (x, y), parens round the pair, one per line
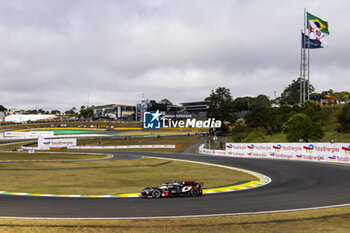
(63, 53)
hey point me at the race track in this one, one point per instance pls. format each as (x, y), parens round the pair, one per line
(294, 185)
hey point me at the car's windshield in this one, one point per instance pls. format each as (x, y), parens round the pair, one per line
(163, 186)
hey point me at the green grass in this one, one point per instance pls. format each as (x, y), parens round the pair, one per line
(24, 156)
(183, 141)
(313, 221)
(14, 145)
(109, 177)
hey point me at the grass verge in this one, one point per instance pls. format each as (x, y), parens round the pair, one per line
(324, 220)
(110, 177)
(24, 156)
(183, 141)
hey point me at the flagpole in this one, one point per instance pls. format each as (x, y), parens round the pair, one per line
(304, 57)
(301, 66)
(308, 71)
(308, 66)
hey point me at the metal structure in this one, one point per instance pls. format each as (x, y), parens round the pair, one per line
(304, 67)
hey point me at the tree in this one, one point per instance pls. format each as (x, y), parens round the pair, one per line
(260, 113)
(239, 133)
(260, 100)
(86, 112)
(72, 112)
(345, 96)
(342, 97)
(31, 111)
(291, 94)
(329, 92)
(310, 108)
(301, 127)
(220, 105)
(41, 111)
(344, 117)
(286, 112)
(242, 104)
(55, 112)
(2, 109)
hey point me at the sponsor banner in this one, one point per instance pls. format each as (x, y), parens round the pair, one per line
(210, 152)
(56, 143)
(30, 134)
(320, 152)
(125, 147)
(44, 134)
(16, 134)
(34, 148)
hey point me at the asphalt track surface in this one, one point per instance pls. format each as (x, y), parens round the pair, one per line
(294, 185)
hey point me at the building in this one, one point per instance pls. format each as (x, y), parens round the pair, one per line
(115, 112)
(197, 109)
(20, 118)
(165, 107)
(13, 111)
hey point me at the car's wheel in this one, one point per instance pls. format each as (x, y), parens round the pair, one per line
(156, 193)
(195, 192)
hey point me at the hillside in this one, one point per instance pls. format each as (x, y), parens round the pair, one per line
(327, 118)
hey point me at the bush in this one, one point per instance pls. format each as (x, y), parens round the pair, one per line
(344, 117)
(239, 133)
(301, 127)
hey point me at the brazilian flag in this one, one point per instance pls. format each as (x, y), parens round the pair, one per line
(321, 24)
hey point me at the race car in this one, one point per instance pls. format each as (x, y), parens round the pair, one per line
(175, 188)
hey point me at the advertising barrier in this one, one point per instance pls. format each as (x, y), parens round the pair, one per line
(201, 150)
(30, 134)
(125, 147)
(46, 147)
(319, 152)
(56, 143)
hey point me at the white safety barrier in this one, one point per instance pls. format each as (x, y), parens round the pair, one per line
(28, 134)
(56, 143)
(107, 147)
(124, 147)
(321, 152)
(201, 150)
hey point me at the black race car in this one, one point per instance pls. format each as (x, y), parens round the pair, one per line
(175, 188)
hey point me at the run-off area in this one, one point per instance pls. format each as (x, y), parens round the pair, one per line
(65, 175)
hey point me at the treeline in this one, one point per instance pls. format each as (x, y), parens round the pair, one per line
(297, 122)
(291, 95)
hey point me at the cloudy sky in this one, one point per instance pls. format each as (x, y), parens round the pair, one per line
(59, 54)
